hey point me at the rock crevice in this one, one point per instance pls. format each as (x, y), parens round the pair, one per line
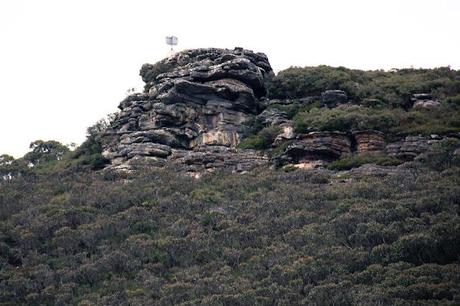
(192, 112)
(199, 104)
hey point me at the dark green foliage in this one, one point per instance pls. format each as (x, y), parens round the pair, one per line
(89, 154)
(454, 101)
(45, 151)
(289, 110)
(442, 155)
(262, 140)
(72, 236)
(441, 120)
(354, 161)
(393, 88)
(266, 237)
(354, 118)
(8, 166)
(6, 159)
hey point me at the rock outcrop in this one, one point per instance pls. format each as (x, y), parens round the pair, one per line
(411, 146)
(198, 105)
(315, 149)
(369, 141)
(196, 101)
(424, 100)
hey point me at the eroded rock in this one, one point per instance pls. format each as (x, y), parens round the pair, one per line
(424, 100)
(196, 101)
(369, 141)
(309, 149)
(410, 147)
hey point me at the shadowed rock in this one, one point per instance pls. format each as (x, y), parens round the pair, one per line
(316, 149)
(332, 98)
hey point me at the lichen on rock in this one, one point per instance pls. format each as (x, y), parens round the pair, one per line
(194, 101)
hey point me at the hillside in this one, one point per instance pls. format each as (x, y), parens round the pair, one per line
(224, 184)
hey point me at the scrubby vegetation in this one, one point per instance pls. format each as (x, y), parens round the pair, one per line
(392, 122)
(89, 154)
(262, 140)
(70, 235)
(74, 236)
(393, 88)
(377, 100)
(354, 161)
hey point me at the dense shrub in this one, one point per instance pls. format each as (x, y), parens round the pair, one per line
(266, 237)
(442, 155)
(354, 161)
(262, 140)
(354, 118)
(89, 153)
(390, 121)
(393, 88)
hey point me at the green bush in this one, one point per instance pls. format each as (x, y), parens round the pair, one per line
(392, 88)
(440, 120)
(442, 155)
(454, 101)
(89, 153)
(159, 237)
(345, 120)
(262, 140)
(355, 161)
(391, 121)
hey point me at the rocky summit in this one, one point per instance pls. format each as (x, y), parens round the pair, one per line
(351, 196)
(192, 112)
(199, 105)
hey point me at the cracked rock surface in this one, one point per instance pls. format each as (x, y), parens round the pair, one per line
(192, 112)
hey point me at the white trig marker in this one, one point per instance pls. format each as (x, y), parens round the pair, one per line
(171, 41)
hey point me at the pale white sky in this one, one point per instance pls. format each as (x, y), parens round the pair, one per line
(64, 64)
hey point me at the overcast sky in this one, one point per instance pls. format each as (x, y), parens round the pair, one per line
(64, 64)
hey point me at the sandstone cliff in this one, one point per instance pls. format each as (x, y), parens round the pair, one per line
(192, 112)
(198, 105)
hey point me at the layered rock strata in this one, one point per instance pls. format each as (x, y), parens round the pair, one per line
(411, 146)
(199, 104)
(369, 141)
(193, 111)
(315, 149)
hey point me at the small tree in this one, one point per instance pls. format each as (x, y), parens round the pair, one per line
(90, 151)
(45, 151)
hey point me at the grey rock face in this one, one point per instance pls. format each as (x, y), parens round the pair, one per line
(424, 100)
(426, 104)
(315, 149)
(195, 109)
(410, 147)
(272, 116)
(195, 102)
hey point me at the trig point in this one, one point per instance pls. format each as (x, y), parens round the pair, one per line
(171, 41)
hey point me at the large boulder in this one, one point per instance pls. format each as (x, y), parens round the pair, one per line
(424, 100)
(411, 146)
(194, 101)
(214, 157)
(316, 149)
